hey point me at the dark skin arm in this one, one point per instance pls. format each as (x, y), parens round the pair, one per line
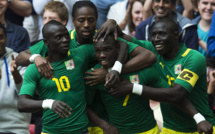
(43, 66)
(23, 58)
(176, 95)
(104, 125)
(27, 104)
(141, 58)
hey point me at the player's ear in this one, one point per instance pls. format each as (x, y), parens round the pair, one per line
(45, 41)
(176, 35)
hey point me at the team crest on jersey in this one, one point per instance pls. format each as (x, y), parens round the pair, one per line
(134, 79)
(69, 64)
(178, 69)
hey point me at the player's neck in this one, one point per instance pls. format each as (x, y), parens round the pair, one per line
(82, 41)
(173, 53)
(56, 57)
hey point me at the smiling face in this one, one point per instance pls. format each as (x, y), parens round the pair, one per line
(164, 39)
(137, 13)
(206, 9)
(163, 8)
(85, 23)
(106, 52)
(57, 39)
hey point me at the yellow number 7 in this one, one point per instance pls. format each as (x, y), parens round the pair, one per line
(126, 100)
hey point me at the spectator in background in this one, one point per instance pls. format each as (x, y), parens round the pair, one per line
(185, 8)
(53, 10)
(39, 6)
(166, 9)
(17, 36)
(11, 120)
(195, 8)
(17, 10)
(211, 38)
(133, 17)
(118, 12)
(147, 10)
(210, 62)
(103, 7)
(31, 24)
(206, 9)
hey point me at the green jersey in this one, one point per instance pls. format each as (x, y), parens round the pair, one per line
(42, 49)
(188, 69)
(67, 86)
(131, 113)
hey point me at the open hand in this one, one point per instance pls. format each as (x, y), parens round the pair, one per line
(61, 109)
(97, 76)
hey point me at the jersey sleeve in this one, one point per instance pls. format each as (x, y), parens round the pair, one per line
(153, 78)
(39, 48)
(193, 68)
(131, 45)
(145, 44)
(30, 81)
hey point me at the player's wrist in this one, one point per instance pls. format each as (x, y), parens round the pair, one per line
(137, 89)
(31, 59)
(198, 118)
(47, 104)
(117, 67)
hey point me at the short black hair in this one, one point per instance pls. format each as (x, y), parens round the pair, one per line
(52, 22)
(172, 1)
(170, 23)
(80, 4)
(4, 30)
(109, 38)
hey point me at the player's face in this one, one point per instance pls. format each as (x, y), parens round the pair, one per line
(85, 23)
(3, 41)
(58, 39)
(106, 53)
(3, 6)
(162, 39)
(137, 13)
(163, 8)
(206, 8)
(49, 15)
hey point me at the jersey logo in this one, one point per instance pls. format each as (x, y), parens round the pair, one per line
(161, 65)
(178, 69)
(188, 76)
(69, 64)
(134, 79)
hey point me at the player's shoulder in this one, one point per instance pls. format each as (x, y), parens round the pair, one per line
(195, 55)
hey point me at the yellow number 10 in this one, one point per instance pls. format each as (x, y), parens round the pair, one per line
(60, 84)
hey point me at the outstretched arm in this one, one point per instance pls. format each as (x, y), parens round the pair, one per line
(176, 95)
(188, 9)
(27, 104)
(147, 10)
(22, 8)
(43, 66)
(23, 58)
